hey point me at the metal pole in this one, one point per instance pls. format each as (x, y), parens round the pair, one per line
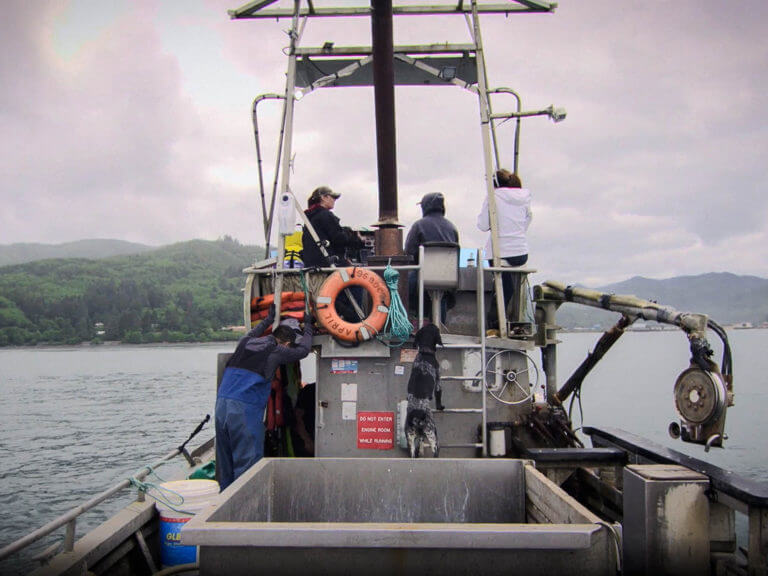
(549, 349)
(490, 108)
(266, 216)
(285, 175)
(485, 120)
(389, 240)
(483, 355)
(420, 288)
(518, 117)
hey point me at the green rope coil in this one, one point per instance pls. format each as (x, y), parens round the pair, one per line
(397, 326)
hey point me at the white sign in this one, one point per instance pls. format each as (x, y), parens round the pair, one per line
(349, 410)
(348, 392)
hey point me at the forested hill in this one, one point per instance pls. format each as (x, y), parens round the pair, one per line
(188, 291)
(101, 248)
(177, 293)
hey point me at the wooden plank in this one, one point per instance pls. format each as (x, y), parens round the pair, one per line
(546, 500)
(145, 551)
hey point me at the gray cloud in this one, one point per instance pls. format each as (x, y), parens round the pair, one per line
(144, 133)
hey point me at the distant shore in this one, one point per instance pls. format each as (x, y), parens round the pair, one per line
(212, 344)
(116, 344)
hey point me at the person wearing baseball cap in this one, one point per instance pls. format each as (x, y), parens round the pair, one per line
(318, 194)
(337, 239)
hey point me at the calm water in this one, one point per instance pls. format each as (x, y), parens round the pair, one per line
(76, 421)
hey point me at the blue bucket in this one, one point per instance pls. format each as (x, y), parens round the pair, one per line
(196, 495)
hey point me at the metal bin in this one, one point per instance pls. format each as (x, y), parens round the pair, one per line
(397, 516)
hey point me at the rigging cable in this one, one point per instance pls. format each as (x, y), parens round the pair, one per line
(576, 396)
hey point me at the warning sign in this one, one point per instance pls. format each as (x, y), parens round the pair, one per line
(375, 430)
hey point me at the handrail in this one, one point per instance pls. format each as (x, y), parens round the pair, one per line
(70, 517)
(271, 271)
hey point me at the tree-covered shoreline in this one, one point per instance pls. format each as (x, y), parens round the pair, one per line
(182, 293)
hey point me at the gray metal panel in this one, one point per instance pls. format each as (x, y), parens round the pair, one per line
(330, 348)
(380, 387)
(666, 520)
(350, 490)
(309, 70)
(381, 383)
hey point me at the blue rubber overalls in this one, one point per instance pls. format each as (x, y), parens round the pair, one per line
(240, 406)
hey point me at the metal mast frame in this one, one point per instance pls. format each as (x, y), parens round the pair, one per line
(417, 58)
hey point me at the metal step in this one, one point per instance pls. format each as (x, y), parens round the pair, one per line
(460, 411)
(477, 445)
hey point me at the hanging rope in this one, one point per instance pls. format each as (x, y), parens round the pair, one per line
(397, 325)
(170, 498)
(304, 289)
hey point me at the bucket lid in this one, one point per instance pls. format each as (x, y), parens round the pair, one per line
(187, 495)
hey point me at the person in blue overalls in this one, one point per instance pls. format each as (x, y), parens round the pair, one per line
(244, 391)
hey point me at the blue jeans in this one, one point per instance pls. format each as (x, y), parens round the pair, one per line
(492, 320)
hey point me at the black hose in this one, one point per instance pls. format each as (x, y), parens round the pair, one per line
(727, 364)
(195, 433)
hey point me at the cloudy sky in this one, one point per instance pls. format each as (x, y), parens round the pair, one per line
(131, 120)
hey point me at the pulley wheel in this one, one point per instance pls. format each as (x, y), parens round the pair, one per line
(699, 396)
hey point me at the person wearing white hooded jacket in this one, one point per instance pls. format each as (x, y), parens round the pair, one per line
(513, 210)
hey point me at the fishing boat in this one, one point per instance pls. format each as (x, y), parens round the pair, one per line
(515, 488)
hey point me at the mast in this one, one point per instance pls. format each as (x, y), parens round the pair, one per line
(389, 237)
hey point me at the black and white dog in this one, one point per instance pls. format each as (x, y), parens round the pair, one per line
(423, 383)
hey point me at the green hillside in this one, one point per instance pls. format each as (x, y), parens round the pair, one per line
(188, 291)
(178, 293)
(21, 253)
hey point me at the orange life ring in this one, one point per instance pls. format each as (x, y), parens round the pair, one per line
(329, 318)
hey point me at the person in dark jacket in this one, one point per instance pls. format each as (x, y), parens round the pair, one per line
(433, 226)
(336, 239)
(244, 391)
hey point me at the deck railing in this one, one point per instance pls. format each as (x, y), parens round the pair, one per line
(69, 519)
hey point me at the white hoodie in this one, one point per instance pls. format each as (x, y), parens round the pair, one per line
(513, 208)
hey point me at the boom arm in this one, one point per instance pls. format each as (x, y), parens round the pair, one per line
(701, 393)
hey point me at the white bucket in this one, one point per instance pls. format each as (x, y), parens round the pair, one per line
(197, 495)
(497, 441)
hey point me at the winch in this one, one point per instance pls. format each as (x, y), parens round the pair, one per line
(701, 400)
